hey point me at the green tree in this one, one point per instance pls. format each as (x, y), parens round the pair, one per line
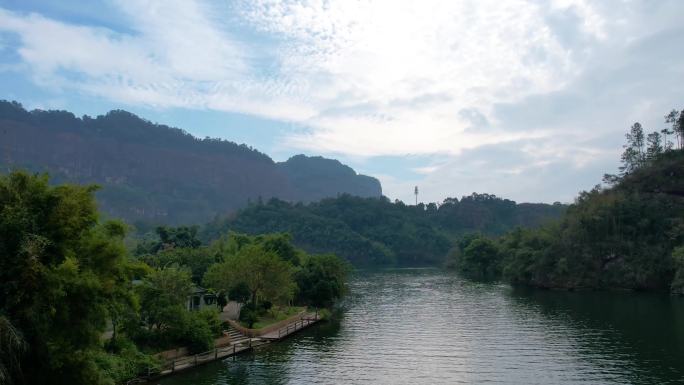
(634, 156)
(163, 296)
(60, 269)
(480, 258)
(655, 145)
(263, 272)
(239, 293)
(676, 119)
(163, 311)
(197, 260)
(322, 279)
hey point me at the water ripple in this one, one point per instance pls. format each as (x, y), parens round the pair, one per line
(431, 327)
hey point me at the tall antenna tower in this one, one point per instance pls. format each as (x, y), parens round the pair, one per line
(415, 191)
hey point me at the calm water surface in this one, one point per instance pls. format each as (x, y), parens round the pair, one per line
(424, 326)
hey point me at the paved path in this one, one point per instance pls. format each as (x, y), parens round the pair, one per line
(230, 311)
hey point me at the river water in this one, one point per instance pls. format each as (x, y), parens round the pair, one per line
(426, 326)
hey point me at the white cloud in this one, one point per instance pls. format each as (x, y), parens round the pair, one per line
(367, 78)
(177, 56)
(509, 93)
(362, 57)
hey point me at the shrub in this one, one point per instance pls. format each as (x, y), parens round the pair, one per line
(124, 361)
(325, 314)
(211, 318)
(248, 315)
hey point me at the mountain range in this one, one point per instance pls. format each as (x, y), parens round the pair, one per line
(159, 174)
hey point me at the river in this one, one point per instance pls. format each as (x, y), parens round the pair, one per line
(426, 326)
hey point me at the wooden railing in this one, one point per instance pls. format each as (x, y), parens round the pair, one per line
(188, 361)
(297, 325)
(268, 329)
(200, 358)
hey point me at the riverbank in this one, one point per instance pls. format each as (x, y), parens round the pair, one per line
(225, 347)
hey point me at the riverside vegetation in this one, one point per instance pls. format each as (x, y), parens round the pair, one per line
(628, 234)
(372, 232)
(65, 275)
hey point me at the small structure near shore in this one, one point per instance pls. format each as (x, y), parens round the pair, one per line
(201, 298)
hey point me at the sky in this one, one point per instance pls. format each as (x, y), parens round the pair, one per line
(528, 100)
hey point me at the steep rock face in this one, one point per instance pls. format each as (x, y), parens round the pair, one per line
(315, 178)
(157, 173)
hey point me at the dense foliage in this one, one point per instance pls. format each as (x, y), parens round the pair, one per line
(268, 268)
(61, 273)
(376, 232)
(628, 235)
(154, 173)
(321, 280)
(76, 307)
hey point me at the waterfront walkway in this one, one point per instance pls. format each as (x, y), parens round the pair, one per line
(304, 322)
(239, 343)
(186, 362)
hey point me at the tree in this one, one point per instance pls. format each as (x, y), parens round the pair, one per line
(280, 244)
(677, 120)
(322, 279)
(655, 145)
(667, 145)
(239, 293)
(183, 236)
(163, 312)
(197, 259)
(164, 294)
(633, 157)
(263, 272)
(480, 258)
(60, 269)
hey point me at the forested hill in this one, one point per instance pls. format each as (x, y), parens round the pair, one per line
(628, 234)
(377, 232)
(156, 173)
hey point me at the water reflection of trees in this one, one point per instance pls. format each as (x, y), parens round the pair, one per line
(648, 328)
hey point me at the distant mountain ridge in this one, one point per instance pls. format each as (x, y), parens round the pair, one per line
(156, 173)
(313, 178)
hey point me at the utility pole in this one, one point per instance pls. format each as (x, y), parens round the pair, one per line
(416, 192)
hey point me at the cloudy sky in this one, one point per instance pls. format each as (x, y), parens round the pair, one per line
(528, 100)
